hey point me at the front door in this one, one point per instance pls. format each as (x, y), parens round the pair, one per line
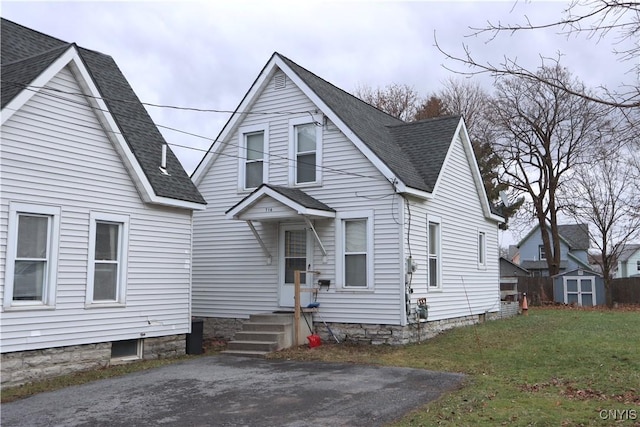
(295, 254)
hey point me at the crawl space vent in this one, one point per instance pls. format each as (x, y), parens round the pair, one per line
(280, 81)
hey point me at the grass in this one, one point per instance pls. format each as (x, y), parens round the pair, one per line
(553, 367)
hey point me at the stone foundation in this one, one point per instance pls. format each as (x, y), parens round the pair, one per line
(362, 333)
(221, 328)
(23, 367)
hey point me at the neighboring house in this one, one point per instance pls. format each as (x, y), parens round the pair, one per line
(579, 287)
(306, 176)
(509, 273)
(95, 231)
(629, 261)
(574, 246)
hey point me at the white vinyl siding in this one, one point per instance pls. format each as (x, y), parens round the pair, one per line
(32, 256)
(253, 166)
(108, 255)
(56, 153)
(231, 274)
(305, 152)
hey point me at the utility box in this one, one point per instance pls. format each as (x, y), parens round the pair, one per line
(194, 339)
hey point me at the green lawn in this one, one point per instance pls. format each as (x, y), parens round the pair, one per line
(553, 367)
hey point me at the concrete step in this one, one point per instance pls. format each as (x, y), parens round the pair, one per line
(271, 318)
(267, 346)
(245, 353)
(266, 327)
(259, 336)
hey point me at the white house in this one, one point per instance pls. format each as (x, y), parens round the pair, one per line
(304, 176)
(629, 261)
(95, 216)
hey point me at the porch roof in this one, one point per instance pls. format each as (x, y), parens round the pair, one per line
(275, 203)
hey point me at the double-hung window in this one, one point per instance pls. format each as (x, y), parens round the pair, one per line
(32, 255)
(254, 156)
(107, 269)
(434, 248)
(356, 242)
(482, 249)
(305, 151)
(542, 253)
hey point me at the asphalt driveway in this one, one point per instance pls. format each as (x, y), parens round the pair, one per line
(233, 391)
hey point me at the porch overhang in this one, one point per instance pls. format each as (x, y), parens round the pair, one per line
(270, 203)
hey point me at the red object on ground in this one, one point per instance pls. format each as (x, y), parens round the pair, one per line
(314, 341)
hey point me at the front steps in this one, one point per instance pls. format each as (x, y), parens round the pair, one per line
(262, 334)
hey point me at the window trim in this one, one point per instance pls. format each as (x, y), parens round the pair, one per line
(438, 256)
(482, 249)
(293, 152)
(341, 217)
(540, 251)
(123, 250)
(53, 241)
(242, 156)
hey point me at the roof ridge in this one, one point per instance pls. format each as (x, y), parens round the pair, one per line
(339, 88)
(429, 120)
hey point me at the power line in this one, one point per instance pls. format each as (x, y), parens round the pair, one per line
(59, 96)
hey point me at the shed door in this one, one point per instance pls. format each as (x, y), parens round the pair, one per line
(580, 290)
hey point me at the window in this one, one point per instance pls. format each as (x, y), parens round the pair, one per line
(126, 350)
(253, 157)
(638, 265)
(32, 255)
(542, 253)
(482, 248)
(434, 255)
(107, 270)
(356, 245)
(305, 151)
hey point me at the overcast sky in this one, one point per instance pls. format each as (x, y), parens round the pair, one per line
(207, 54)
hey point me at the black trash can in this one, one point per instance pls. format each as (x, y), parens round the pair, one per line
(194, 339)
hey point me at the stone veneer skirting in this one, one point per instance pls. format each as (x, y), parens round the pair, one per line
(362, 333)
(23, 367)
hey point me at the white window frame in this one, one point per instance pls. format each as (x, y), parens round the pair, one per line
(53, 238)
(293, 150)
(341, 218)
(123, 251)
(242, 154)
(540, 250)
(482, 249)
(438, 256)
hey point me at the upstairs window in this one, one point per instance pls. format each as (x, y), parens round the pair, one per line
(542, 253)
(32, 255)
(305, 151)
(253, 157)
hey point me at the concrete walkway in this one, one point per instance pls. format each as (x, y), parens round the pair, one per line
(233, 391)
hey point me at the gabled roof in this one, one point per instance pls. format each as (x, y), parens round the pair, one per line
(28, 54)
(411, 153)
(576, 236)
(297, 201)
(628, 251)
(510, 269)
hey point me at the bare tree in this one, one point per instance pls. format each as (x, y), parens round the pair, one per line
(398, 100)
(541, 133)
(604, 194)
(595, 19)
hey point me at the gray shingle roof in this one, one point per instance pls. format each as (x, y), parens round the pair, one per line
(577, 235)
(27, 53)
(300, 197)
(627, 251)
(413, 151)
